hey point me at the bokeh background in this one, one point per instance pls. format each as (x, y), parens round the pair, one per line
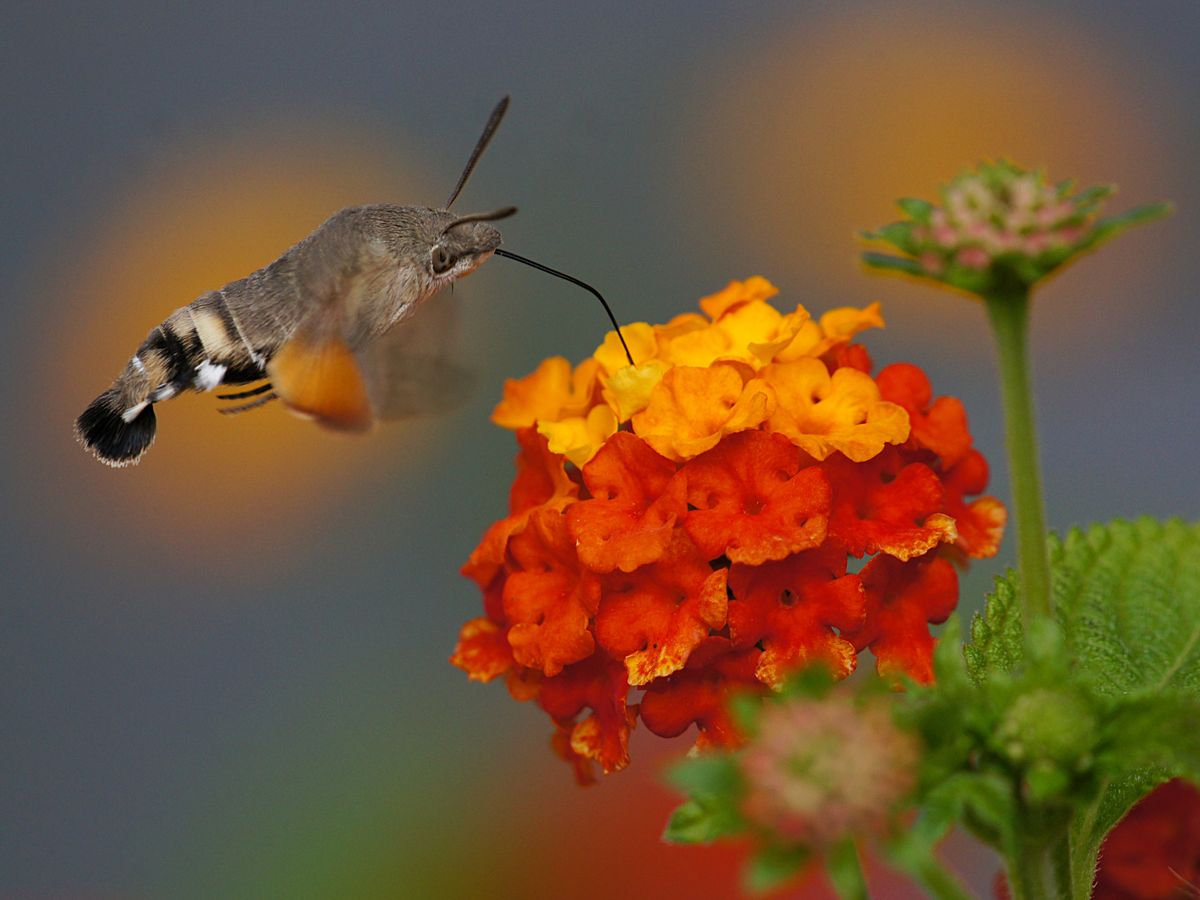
(223, 673)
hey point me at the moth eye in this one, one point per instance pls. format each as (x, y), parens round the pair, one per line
(441, 260)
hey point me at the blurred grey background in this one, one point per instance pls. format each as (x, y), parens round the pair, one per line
(223, 673)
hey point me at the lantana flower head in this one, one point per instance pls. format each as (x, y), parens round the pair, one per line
(742, 501)
(1000, 228)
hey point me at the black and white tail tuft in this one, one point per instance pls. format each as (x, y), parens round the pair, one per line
(103, 429)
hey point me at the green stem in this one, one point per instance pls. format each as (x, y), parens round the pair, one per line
(1032, 875)
(1009, 314)
(939, 882)
(1060, 861)
(1038, 865)
(845, 871)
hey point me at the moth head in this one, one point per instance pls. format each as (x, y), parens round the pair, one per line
(464, 242)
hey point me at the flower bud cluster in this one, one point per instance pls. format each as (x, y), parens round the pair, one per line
(999, 229)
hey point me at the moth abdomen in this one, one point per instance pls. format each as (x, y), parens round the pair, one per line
(196, 348)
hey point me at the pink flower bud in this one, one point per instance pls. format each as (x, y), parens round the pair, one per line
(1036, 243)
(973, 258)
(945, 236)
(1024, 192)
(823, 770)
(931, 263)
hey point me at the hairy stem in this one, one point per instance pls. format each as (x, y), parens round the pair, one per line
(1009, 314)
(1033, 874)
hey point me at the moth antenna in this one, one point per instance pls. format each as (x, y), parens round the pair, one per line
(492, 216)
(582, 284)
(489, 129)
(242, 395)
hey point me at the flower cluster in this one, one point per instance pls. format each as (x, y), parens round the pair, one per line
(685, 526)
(1000, 228)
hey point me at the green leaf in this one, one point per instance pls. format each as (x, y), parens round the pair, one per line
(710, 773)
(1089, 197)
(997, 639)
(985, 802)
(1063, 187)
(1106, 229)
(948, 657)
(1157, 732)
(1045, 781)
(844, 869)
(745, 710)
(1027, 269)
(715, 784)
(898, 234)
(917, 210)
(1128, 596)
(774, 865)
(701, 821)
(814, 680)
(890, 263)
(1091, 824)
(973, 281)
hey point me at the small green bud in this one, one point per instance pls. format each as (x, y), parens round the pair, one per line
(1051, 724)
(1044, 781)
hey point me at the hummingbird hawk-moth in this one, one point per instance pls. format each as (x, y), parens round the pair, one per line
(322, 328)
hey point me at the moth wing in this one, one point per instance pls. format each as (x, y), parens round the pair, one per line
(413, 369)
(316, 375)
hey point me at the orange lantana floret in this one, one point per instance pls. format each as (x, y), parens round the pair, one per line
(628, 520)
(939, 426)
(541, 481)
(627, 391)
(483, 651)
(834, 329)
(549, 598)
(885, 506)
(654, 618)
(794, 609)
(752, 501)
(980, 523)
(756, 330)
(822, 412)
(641, 339)
(601, 736)
(553, 391)
(902, 600)
(736, 293)
(691, 409)
(579, 437)
(682, 527)
(699, 694)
